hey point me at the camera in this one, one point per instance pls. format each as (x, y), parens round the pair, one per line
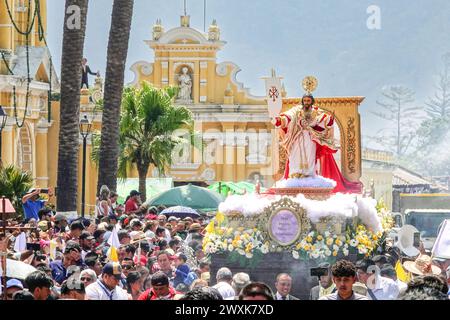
(318, 272)
(416, 239)
(33, 246)
(44, 191)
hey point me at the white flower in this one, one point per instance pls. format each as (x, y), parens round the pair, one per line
(326, 234)
(264, 249)
(315, 254)
(249, 255)
(327, 253)
(354, 242)
(230, 248)
(239, 243)
(362, 250)
(241, 252)
(336, 247)
(295, 255)
(345, 251)
(311, 234)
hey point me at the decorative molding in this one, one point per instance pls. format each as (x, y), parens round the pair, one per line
(325, 100)
(43, 178)
(165, 64)
(183, 58)
(187, 63)
(147, 69)
(136, 68)
(182, 33)
(351, 145)
(222, 70)
(203, 64)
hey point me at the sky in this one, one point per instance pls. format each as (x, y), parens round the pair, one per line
(329, 39)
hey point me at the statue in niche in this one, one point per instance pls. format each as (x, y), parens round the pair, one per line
(185, 85)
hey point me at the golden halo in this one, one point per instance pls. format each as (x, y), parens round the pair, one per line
(310, 84)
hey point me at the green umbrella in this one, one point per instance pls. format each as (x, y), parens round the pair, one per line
(188, 196)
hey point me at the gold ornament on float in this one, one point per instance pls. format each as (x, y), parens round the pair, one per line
(310, 84)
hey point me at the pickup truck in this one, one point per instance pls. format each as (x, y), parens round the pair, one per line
(427, 221)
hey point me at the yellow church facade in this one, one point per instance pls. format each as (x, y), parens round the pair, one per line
(240, 143)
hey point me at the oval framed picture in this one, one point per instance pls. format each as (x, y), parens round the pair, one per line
(285, 226)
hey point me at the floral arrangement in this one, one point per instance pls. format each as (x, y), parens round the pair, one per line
(252, 244)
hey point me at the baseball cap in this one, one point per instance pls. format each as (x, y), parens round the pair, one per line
(72, 245)
(195, 227)
(113, 269)
(43, 225)
(85, 235)
(134, 193)
(60, 217)
(14, 283)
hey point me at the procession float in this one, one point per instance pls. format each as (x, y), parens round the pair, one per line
(313, 214)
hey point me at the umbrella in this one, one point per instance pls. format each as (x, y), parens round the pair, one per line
(180, 212)
(18, 269)
(188, 196)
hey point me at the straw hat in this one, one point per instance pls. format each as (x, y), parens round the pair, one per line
(422, 266)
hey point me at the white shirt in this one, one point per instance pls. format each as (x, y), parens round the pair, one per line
(385, 289)
(401, 286)
(280, 297)
(98, 291)
(226, 290)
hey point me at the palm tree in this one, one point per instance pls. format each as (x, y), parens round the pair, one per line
(148, 119)
(14, 183)
(119, 36)
(72, 53)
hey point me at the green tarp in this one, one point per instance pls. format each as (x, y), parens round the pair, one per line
(188, 196)
(234, 187)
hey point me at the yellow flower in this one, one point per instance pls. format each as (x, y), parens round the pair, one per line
(309, 239)
(319, 238)
(335, 253)
(298, 246)
(375, 237)
(338, 242)
(313, 248)
(249, 248)
(329, 241)
(307, 247)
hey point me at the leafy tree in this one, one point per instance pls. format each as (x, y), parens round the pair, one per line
(14, 183)
(397, 110)
(148, 119)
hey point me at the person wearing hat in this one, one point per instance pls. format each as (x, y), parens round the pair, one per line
(378, 287)
(86, 242)
(12, 286)
(326, 285)
(107, 286)
(60, 223)
(132, 206)
(423, 265)
(31, 203)
(161, 289)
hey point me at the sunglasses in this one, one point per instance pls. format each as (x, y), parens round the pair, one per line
(127, 267)
(85, 279)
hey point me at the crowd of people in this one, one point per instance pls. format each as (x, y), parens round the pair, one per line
(162, 258)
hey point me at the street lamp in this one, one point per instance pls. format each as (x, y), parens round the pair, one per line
(85, 129)
(3, 118)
